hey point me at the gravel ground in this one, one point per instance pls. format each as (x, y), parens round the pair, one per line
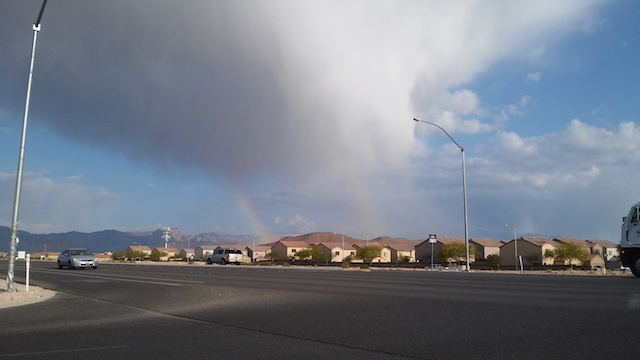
(21, 296)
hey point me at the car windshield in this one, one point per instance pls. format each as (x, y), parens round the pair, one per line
(80, 252)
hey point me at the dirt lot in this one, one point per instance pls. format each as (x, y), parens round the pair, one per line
(21, 296)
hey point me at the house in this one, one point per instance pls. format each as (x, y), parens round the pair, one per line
(258, 252)
(402, 252)
(169, 253)
(486, 247)
(285, 249)
(423, 249)
(609, 249)
(145, 250)
(593, 262)
(338, 254)
(187, 254)
(385, 252)
(529, 247)
(201, 252)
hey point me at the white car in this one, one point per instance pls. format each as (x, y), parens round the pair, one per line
(77, 258)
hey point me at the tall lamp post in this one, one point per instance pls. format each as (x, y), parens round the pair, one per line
(464, 190)
(16, 202)
(515, 244)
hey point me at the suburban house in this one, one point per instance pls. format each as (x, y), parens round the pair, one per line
(201, 252)
(338, 254)
(423, 249)
(145, 250)
(594, 261)
(609, 249)
(258, 252)
(169, 252)
(486, 247)
(528, 247)
(285, 249)
(187, 254)
(402, 252)
(385, 252)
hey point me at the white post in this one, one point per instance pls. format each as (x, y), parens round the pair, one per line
(28, 262)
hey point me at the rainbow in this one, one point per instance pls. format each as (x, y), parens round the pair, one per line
(251, 215)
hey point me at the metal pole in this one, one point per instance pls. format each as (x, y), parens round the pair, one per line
(431, 256)
(16, 202)
(515, 244)
(343, 249)
(464, 190)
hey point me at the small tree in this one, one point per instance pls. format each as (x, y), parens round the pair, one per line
(272, 255)
(456, 251)
(495, 260)
(549, 254)
(313, 253)
(570, 252)
(368, 253)
(135, 254)
(157, 255)
(533, 258)
(117, 255)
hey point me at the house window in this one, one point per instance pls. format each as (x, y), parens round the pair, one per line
(384, 254)
(293, 251)
(337, 253)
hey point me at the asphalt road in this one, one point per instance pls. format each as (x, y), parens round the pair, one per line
(236, 312)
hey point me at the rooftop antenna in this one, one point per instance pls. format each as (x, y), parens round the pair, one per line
(16, 202)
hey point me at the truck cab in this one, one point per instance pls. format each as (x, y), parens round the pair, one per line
(630, 240)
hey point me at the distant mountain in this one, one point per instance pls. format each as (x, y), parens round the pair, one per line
(113, 240)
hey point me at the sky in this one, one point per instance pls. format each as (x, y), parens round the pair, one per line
(290, 117)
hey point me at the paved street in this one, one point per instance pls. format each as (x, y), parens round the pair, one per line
(237, 312)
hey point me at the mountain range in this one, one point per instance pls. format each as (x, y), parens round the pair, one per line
(114, 240)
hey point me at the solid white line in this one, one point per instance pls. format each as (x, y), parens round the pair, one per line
(64, 351)
(166, 282)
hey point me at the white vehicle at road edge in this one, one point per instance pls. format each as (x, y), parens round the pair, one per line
(225, 256)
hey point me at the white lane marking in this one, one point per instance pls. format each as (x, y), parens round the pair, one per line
(64, 351)
(78, 273)
(634, 302)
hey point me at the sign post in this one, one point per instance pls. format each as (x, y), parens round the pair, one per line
(432, 240)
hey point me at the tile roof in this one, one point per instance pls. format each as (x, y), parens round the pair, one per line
(604, 243)
(486, 242)
(574, 241)
(292, 243)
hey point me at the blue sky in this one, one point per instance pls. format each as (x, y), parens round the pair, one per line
(290, 117)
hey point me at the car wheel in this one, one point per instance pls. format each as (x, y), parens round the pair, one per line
(69, 265)
(59, 265)
(223, 261)
(209, 261)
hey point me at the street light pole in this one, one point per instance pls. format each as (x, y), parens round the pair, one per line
(515, 244)
(16, 202)
(464, 190)
(343, 249)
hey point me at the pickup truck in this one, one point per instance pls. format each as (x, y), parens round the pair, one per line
(225, 256)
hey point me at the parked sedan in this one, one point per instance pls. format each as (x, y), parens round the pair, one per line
(77, 258)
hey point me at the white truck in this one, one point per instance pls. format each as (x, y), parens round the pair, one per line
(630, 240)
(225, 256)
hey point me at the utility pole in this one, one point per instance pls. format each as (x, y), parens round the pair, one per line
(16, 202)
